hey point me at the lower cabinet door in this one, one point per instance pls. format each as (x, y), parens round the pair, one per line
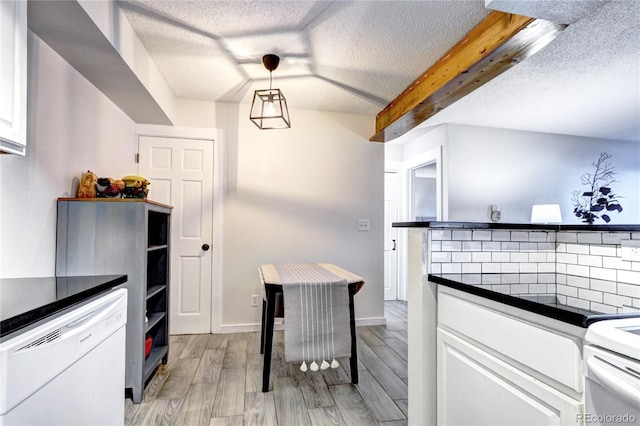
(476, 388)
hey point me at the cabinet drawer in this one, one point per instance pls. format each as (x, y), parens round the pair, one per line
(545, 351)
(493, 392)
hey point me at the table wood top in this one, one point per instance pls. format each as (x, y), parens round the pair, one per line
(269, 274)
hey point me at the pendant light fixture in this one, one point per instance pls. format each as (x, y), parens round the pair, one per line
(269, 107)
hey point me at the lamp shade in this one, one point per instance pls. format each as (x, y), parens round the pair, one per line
(269, 110)
(546, 213)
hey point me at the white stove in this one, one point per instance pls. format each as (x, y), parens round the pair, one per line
(612, 370)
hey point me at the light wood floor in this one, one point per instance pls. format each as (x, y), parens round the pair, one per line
(216, 380)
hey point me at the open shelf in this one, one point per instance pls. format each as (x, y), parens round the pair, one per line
(154, 290)
(154, 319)
(130, 237)
(153, 360)
(158, 226)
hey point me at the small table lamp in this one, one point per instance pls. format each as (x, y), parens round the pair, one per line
(546, 213)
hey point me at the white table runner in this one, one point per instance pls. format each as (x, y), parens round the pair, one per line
(317, 315)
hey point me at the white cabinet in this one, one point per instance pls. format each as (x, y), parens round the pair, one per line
(476, 388)
(13, 76)
(494, 368)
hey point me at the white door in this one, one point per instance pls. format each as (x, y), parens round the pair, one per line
(181, 175)
(390, 236)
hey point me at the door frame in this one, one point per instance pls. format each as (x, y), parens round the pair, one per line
(216, 136)
(406, 169)
(417, 162)
(398, 215)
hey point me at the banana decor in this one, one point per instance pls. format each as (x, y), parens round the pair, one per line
(135, 181)
(135, 187)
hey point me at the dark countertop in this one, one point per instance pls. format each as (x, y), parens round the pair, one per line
(546, 305)
(520, 226)
(24, 301)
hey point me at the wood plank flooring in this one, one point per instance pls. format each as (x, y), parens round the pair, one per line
(213, 380)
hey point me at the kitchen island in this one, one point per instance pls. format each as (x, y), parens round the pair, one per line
(516, 298)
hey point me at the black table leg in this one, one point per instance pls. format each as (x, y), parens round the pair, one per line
(263, 325)
(354, 346)
(268, 337)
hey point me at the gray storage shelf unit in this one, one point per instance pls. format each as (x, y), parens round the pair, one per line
(124, 236)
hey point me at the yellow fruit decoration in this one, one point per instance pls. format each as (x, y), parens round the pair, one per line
(133, 181)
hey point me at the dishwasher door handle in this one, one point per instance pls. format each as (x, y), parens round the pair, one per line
(624, 385)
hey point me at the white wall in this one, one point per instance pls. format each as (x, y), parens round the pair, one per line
(195, 113)
(291, 195)
(295, 195)
(413, 150)
(424, 140)
(516, 169)
(71, 127)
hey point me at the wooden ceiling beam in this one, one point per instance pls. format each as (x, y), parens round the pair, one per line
(498, 43)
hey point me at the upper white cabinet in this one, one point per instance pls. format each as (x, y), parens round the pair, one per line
(13, 76)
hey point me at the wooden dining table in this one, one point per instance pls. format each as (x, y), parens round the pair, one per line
(273, 306)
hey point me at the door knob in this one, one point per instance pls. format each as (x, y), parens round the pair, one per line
(205, 247)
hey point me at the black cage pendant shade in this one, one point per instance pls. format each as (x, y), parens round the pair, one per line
(269, 107)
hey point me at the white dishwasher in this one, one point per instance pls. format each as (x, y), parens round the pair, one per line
(67, 369)
(612, 371)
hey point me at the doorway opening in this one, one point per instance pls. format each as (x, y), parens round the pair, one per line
(424, 185)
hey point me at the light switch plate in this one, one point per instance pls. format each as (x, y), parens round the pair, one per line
(631, 250)
(363, 225)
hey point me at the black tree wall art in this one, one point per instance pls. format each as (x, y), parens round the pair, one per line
(599, 200)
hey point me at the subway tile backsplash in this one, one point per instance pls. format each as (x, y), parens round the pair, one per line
(581, 269)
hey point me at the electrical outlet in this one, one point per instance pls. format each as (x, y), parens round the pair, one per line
(495, 213)
(630, 250)
(254, 300)
(363, 225)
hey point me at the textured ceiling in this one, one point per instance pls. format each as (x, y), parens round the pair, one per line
(357, 56)
(586, 82)
(337, 56)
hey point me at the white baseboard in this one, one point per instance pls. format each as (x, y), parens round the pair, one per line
(279, 325)
(371, 321)
(248, 328)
